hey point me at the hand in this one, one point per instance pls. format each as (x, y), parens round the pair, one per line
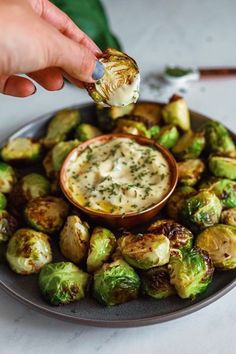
(41, 41)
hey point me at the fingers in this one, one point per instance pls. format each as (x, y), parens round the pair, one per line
(65, 25)
(16, 86)
(51, 78)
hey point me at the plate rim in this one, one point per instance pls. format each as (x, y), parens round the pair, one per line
(110, 323)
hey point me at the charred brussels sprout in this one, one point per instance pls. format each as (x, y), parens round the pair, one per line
(218, 139)
(180, 237)
(168, 136)
(116, 283)
(28, 251)
(220, 242)
(119, 85)
(129, 126)
(106, 116)
(74, 239)
(60, 126)
(86, 131)
(62, 283)
(23, 150)
(189, 146)
(150, 111)
(191, 272)
(102, 244)
(145, 251)
(46, 214)
(223, 167)
(59, 152)
(176, 201)
(7, 178)
(3, 201)
(190, 171)
(225, 189)
(228, 217)
(201, 211)
(8, 225)
(48, 165)
(176, 112)
(156, 283)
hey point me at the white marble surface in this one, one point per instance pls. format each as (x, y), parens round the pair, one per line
(155, 32)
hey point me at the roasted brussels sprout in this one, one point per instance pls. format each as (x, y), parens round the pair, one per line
(189, 146)
(218, 139)
(145, 251)
(176, 201)
(176, 112)
(59, 152)
(3, 201)
(117, 254)
(180, 237)
(102, 244)
(119, 85)
(74, 239)
(220, 242)
(106, 116)
(46, 214)
(168, 136)
(191, 272)
(29, 187)
(60, 126)
(190, 171)
(201, 210)
(156, 282)
(7, 178)
(62, 283)
(23, 150)
(154, 132)
(129, 126)
(228, 217)
(116, 283)
(28, 251)
(225, 189)
(86, 131)
(223, 167)
(8, 225)
(150, 111)
(48, 165)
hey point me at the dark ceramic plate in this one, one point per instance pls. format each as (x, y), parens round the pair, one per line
(140, 312)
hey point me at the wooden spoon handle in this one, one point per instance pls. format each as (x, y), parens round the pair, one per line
(216, 72)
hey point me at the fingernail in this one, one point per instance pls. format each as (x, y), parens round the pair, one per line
(63, 84)
(35, 90)
(98, 71)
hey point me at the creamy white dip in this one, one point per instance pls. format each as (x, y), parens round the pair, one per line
(118, 176)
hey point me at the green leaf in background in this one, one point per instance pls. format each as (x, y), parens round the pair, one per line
(90, 17)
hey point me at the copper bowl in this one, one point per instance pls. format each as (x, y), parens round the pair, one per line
(128, 220)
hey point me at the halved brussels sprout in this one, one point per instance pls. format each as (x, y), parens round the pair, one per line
(116, 283)
(102, 244)
(74, 239)
(218, 139)
(168, 136)
(28, 251)
(29, 187)
(191, 272)
(46, 214)
(3, 201)
(59, 152)
(106, 116)
(129, 126)
(201, 210)
(119, 85)
(189, 146)
(176, 201)
(225, 189)
(154, 132)
(62, 283)
(24, 150)
(48, 165)
(190, 171)
(145, 251)
(60, 126)
(176, 112)
(223, 167)
(220, 242)
(150, 111)
(86, 131)
(180, 237)
(228, 217)
(7, 178)
(156, 282)
(8, 225)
